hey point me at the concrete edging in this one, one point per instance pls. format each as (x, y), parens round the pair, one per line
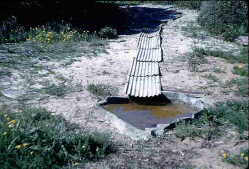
(137, 134)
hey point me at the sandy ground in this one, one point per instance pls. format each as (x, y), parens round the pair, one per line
(112, 68)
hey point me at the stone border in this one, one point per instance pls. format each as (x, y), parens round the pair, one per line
(127, 129)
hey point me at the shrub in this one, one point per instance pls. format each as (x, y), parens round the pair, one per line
(33, 138)
(212, 119)
(10, 31)
(48, 33)
(226, 18)
(108, 32)
(240, 159)
(241, 70)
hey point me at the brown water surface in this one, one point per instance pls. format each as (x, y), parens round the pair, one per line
(147, 116)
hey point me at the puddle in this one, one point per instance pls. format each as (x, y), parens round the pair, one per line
(148, 116)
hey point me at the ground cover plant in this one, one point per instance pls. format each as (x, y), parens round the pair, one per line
(102, 90)
(34, 138)
(240, 159)
(214, 121)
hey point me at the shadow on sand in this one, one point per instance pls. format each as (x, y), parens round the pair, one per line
(147, 19)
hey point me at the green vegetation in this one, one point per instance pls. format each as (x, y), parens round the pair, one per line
(108, 32)
(34, 138)
(193, 4)
(241, 70)
(232, 58)
(225, 18)
(26, 55)
(214, 121)
(196, 58)
(211, 77)
(218, 70)
(61, 89)
(240, 159)
(102, 90)
(241, 84)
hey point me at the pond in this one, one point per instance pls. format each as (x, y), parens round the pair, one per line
(148, 116)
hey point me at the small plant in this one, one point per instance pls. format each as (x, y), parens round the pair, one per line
(10, 31)
(102, 90)
(196, 58)
(218, 70)
(213, 121)
(240, 159)
(242, 57)
(241, 70)
(211, 77)
(34, 138)
(108, 32)
(61, 89)
(185, 129)
(241, 84)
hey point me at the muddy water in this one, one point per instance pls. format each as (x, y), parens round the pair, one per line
(148, 116)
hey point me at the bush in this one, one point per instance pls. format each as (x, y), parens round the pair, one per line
(108, 32)
(33, 138)
(226, 18)
(241, 70)
(48, 33)
(212, 119)
(10, 31)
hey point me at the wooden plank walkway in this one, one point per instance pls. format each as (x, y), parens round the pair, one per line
(144, 76)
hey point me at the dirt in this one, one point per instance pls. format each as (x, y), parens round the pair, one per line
(112, 68)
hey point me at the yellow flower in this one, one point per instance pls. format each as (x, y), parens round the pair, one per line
(5, 115)
(240, 66)
(24, 145)
(225, 155)
(242, 155)
(18, 146)
(31, 153)
(8, 118)
(246, 158)
(12, 122)
(5, 133)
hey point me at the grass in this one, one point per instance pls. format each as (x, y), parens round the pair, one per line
(241, 84)
(211, 77)
(61, 89)
(102, 90)
(241, 70)
(27, 54)
(34, 138)
(240, 58)
(194, 31)
(218, 70)
(214, 121)
(240, 160)
(195, 59)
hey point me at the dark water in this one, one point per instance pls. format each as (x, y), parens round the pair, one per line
(148, 116)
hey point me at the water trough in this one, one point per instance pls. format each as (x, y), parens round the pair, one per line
(141, 118)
